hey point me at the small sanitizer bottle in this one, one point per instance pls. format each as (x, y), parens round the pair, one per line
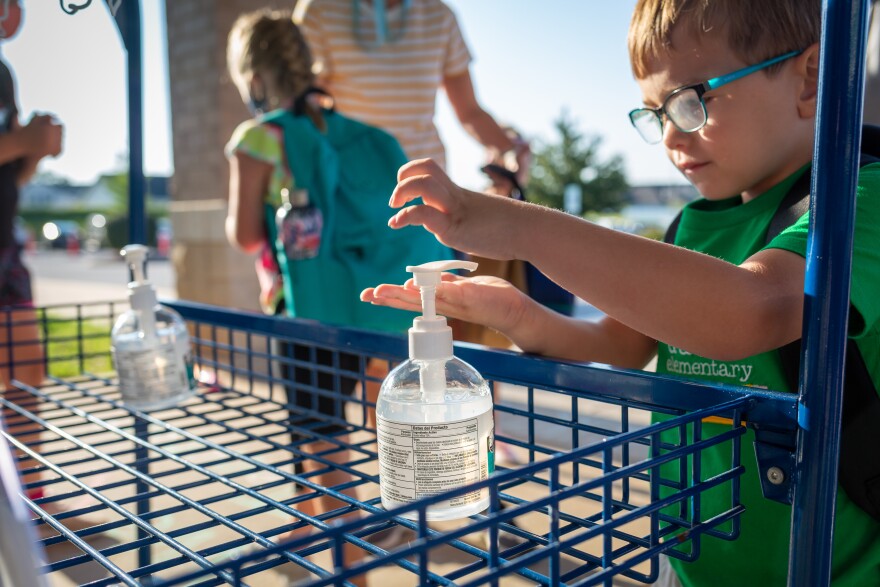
(150, 344)
(434, 416)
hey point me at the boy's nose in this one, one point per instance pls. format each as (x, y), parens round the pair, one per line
(672, 136)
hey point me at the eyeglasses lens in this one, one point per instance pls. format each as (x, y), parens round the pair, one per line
(647, 122)
(686, 110)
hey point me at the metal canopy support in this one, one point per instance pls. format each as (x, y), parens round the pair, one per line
(130, 25)
(827, 286)
(127, 15)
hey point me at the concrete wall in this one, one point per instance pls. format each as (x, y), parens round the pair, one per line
(205, 108)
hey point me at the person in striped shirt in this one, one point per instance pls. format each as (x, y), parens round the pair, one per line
(383, 62)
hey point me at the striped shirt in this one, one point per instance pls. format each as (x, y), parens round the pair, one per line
(392, 86)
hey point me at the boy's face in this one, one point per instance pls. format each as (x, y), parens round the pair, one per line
(757, 133)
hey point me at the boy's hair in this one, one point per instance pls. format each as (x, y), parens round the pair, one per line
(269, 43)
(755, 29)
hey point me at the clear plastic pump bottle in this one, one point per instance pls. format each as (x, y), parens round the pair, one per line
(434, 416)
(150, 344)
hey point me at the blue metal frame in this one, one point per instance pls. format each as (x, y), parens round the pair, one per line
(829, 260)
(137, 221)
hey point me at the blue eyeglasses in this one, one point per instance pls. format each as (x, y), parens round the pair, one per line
(685, 106)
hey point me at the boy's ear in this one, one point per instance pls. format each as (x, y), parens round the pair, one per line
(807, 64)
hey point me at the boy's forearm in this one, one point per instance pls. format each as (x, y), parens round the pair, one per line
(545, 332)
(684, 298)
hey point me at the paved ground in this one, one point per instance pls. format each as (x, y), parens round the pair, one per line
(62, 278)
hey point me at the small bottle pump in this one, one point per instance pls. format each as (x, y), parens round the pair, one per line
(434, 416)
(150, 344)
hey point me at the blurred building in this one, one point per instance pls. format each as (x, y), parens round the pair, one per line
(205, 109)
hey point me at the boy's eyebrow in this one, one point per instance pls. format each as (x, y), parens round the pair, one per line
(668, 91)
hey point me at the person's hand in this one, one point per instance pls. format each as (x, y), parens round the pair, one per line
(44, 135)
(485, 300)
(476, 223)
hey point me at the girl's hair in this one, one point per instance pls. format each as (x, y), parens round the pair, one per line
(754, 29)
(267, 42)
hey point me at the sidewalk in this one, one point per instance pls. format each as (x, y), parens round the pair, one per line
(58, 277)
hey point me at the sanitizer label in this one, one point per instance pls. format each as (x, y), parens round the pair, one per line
(419, 460)
(151, 376)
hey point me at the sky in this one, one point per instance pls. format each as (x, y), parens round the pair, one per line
(533, 60)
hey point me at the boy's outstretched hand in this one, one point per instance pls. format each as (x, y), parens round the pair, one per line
(468, 221)
(485, 300)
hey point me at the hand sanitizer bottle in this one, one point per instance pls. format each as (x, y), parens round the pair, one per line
(434, 416)
(150, 344)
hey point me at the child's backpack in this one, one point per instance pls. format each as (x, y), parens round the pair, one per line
(859, 467)
(349, 172)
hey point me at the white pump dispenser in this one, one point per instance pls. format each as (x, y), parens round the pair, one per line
(434, 415)
(141, 294)
(150, 344)
(430, 338)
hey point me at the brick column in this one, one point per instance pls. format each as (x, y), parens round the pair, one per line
(205, 108)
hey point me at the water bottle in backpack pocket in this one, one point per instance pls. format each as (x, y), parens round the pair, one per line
(298, 225)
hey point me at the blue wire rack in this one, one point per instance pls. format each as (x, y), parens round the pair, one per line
(199, 494)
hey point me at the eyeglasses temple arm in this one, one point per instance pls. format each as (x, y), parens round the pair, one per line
(719, 81)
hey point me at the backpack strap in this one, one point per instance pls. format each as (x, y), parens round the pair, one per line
(672, 229)
(794, 204)
(859, 467)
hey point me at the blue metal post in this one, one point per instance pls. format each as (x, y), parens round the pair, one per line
(137, 225)
(827, 285)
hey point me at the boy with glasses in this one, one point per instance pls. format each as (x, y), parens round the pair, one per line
(730, 91)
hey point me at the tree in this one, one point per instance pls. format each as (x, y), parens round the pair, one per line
(575, 160)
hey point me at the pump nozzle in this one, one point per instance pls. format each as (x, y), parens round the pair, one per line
(430, 338)
(136, 257)
(428, 275)
(141, 294)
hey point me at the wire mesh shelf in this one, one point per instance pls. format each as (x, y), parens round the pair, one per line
(224, 488)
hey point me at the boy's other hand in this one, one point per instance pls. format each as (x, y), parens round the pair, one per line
(485, 300)
(44, 135)
(468, 221)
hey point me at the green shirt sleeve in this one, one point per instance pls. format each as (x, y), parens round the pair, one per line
(260, 141)
(866, 250)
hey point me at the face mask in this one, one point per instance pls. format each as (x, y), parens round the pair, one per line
(257, 106)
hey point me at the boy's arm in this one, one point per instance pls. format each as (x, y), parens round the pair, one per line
(687, 299)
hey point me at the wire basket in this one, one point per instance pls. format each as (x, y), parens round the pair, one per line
(223, 489)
